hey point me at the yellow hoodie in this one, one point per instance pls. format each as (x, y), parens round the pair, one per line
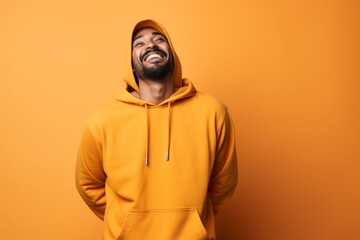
(158, 172)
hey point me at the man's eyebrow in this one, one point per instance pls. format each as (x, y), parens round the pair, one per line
(157, 33)
(153, 33)
(140, 36)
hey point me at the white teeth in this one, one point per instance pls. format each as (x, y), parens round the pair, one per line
(151, 56)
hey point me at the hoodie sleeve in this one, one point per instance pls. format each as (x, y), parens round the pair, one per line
(225, 172)
(89, 174)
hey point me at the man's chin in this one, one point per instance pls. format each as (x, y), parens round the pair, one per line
(157, 72)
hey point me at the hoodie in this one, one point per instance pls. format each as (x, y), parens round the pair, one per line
(158, 171)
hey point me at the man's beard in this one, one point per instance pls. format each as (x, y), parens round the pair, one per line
(157, 72)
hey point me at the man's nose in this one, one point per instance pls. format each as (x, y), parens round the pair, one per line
(151, 44)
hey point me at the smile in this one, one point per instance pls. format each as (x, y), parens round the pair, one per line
(153, 55)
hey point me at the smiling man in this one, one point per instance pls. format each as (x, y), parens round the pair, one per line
(160, 162)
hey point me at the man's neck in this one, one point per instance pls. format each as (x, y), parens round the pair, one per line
(155, 91)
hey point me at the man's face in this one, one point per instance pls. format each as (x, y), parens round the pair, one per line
(151, 55)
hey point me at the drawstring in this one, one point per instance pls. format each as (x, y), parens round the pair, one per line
(167, 155)
(168, 133)
(147, 136)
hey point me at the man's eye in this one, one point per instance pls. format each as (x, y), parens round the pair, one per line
(160, 40)
(138, 44)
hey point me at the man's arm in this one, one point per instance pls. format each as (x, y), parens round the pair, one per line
(225, 173)
(89, 174)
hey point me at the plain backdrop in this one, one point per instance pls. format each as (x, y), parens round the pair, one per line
(289, 72)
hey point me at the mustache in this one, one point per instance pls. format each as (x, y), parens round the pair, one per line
(161, 52)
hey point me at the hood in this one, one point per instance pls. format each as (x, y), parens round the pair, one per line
(129, 78)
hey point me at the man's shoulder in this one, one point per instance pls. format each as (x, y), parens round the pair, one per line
(104, 113)
(209, 101)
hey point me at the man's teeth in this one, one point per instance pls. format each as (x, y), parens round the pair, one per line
(154, 55)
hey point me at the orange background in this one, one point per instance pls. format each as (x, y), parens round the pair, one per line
(289, 72)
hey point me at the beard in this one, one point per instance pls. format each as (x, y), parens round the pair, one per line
(155, 73)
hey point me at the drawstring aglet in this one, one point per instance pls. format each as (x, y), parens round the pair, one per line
(167, 156)
(146, 161)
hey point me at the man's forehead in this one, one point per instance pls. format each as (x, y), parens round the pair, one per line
(144, 31)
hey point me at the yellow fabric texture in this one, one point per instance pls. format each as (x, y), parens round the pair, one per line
(158, 171)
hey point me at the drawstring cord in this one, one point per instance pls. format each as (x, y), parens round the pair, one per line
(147, 136)
(168, 133)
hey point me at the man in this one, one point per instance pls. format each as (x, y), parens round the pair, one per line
(159, 162)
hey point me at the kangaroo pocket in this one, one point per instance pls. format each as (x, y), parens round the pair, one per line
(163, 224)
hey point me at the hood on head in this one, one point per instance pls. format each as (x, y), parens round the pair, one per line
(129, 77)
